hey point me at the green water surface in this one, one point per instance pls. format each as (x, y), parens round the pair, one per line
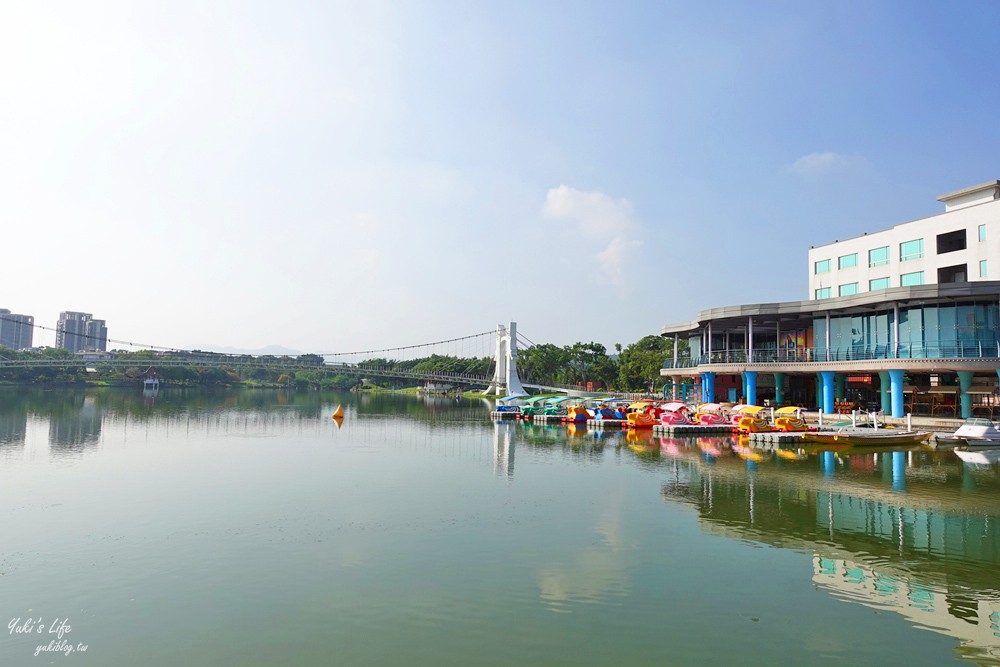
(248, 528)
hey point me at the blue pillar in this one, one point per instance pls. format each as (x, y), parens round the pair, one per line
(743, 387)
(896, 392)
(751, 380)
(827, 405)
(899, 470)
(708, 387)
(841, 386)
(964, 385)
(779, 388)
(883, 391)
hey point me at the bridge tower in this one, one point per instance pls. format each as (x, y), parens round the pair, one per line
(505, 380)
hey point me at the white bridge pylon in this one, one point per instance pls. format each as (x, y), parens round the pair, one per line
(505, 380)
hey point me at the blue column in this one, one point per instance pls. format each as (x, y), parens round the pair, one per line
(708, 387)
(883, 391)
(896, 392)
(964, 385)
(779, 388)
(743, 385)
(841, 385)
(899, 470)
(827, 405)
(751, 380)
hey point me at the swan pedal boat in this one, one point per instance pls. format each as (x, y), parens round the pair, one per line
(640, 420)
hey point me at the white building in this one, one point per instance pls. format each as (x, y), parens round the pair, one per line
(952, 247)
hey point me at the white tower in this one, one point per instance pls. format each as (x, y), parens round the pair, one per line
(505, 379)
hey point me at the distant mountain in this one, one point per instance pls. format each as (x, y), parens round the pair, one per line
(275, 350)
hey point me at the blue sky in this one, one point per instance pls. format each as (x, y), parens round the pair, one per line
(340, 176)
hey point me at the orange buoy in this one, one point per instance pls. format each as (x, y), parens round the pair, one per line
(339, 412)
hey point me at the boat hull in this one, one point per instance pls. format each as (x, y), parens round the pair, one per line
(855, 439)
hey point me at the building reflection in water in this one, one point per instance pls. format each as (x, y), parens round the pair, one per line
(13, 429)
(13, 421)
(75, 427)
(914, 532)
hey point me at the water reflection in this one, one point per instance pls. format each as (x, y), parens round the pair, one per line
(503, 448)
(913, 531)
(75, 426)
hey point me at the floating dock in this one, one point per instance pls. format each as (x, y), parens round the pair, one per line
(607, 423)
(778, 437)
(693, 429)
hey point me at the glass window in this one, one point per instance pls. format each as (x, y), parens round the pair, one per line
(848, 289)
(878, 256)
(982, 268)
(878, 283)
(911, 250)
(908, 279)
(982, 232)
(822, 266)
(847, 261)
(823, 292)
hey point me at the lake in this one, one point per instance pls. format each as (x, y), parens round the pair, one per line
(246, 527)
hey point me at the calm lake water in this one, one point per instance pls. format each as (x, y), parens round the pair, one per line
(248, 528)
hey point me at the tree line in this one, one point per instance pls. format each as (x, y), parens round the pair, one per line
(632, 368)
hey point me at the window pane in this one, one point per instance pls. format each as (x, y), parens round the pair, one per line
(848, 289)
(911, 250)
(878, 256)
(982, 232)
(822, 266)
(908, 279)
(847, 261)
(878, 283)
(823, 293)
(982, 268)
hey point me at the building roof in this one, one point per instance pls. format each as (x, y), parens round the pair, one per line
(856, 303)
(982, 187)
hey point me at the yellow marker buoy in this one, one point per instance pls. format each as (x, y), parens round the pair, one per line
(339, 412)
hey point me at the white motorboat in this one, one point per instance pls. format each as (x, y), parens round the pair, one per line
(975, 432)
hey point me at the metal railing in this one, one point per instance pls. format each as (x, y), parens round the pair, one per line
(848, 353)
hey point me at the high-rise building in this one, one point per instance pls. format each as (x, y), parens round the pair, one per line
(80, 331)
(16, 331)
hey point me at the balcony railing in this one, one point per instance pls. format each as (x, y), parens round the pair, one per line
(849, 353)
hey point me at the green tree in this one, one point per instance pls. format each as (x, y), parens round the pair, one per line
(639, 364)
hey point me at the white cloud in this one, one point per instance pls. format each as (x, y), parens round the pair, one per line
(819, 163)
(601, 220)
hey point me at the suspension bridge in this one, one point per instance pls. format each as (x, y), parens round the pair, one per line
(465, 356)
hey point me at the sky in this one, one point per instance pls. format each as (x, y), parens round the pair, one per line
(343, 176)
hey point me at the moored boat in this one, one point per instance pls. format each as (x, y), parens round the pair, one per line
(640, 420)
(747, 419)
(789, 419)
(974, 432)
(865, 436)
(674, 414)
